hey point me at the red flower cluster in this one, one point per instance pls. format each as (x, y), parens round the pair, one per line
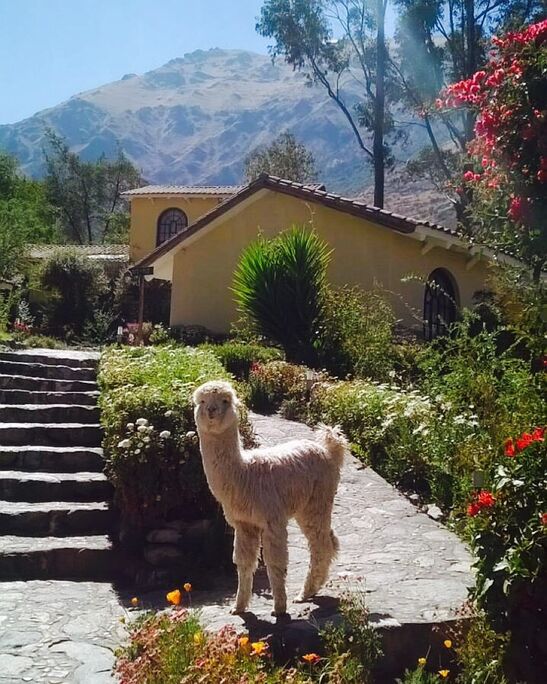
(510, 144)
(512, 448)
(543, 518)
(22, 327)
(537, 33)
(483, 500)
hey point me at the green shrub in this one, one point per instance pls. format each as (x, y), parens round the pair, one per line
(271, 384)
(239, 357)
(469, 369)
(355, 335)
(279, 284)
(415, 441)
(150, 443)
(76, 288)
(508, 530)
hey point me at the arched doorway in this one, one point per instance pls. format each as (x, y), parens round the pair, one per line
(440, 303)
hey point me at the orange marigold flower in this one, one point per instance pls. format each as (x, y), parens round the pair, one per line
(259, 647)
(174, 597)
(444, 673)
(447, 643)
(422, 661)
(187, 586)
(311, 658)
(134, 601)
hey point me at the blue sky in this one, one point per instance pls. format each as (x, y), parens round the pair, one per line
(52, 49)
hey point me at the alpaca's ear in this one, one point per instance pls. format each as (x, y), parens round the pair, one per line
(195, 398)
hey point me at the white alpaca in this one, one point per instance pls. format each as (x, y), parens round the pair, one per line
(261, 489)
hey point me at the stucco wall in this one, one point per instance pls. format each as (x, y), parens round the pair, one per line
(364, 254)
(145, 212)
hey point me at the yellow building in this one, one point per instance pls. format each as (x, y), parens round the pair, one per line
(194, 238)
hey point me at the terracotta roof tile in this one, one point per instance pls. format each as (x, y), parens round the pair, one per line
(357, 207)
(221, 190)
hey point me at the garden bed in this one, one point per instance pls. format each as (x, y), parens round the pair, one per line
(169, 522)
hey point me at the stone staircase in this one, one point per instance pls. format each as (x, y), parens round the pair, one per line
(54, 498)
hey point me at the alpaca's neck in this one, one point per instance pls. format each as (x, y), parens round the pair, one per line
(222, 459)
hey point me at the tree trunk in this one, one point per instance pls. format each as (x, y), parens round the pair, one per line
(379, 104)
(470, 65)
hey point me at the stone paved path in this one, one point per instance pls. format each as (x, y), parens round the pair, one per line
(54, 632)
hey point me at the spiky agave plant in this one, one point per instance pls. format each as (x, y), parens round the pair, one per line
(280, 285)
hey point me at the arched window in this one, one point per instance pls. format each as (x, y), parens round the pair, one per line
(170, 222)
(440, 302)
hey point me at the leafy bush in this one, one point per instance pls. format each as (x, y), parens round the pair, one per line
(271, 384)
(239, 357)
(160, 335)
(356, 333)
(471, 370)
(150, 443)
(76, 287)
(508, 527)
(415, 441)
(279, 284)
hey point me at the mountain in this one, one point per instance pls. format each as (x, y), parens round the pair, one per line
(193, 121)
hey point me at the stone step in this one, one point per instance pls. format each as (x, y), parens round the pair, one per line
(20, 396)
(52, 413)
(79, 558)
(26, 382)
(46, 370)
(53, 357)
(51, 459)
(18, 485)
(50, 434)
(54, 518)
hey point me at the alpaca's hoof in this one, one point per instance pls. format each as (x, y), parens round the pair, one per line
(237, 610)
(281, 615)
(302, 598)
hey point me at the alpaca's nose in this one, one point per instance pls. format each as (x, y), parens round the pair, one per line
(211, 410)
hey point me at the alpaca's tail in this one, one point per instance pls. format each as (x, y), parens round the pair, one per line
(335, 443)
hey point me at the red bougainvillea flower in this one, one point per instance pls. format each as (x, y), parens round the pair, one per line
(542, 176)
(486, 499)
(543, 518)
(510, 447)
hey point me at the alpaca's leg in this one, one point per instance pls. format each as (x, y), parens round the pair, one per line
(246, 548)
(323, 545)
(276, 558)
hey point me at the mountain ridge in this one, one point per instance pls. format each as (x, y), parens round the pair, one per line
(193, 120)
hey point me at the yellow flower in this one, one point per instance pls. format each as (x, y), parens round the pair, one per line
(259, 647)
(447, 643)
(311, 658)
(422, 661)
(187, 586)
(444, 673)
(174, 597)
(134, 601)
(244, 644)
(198, 638)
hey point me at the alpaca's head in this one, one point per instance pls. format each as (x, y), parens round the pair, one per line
(216, 406)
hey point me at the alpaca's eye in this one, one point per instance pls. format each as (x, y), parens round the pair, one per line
(225, 401)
